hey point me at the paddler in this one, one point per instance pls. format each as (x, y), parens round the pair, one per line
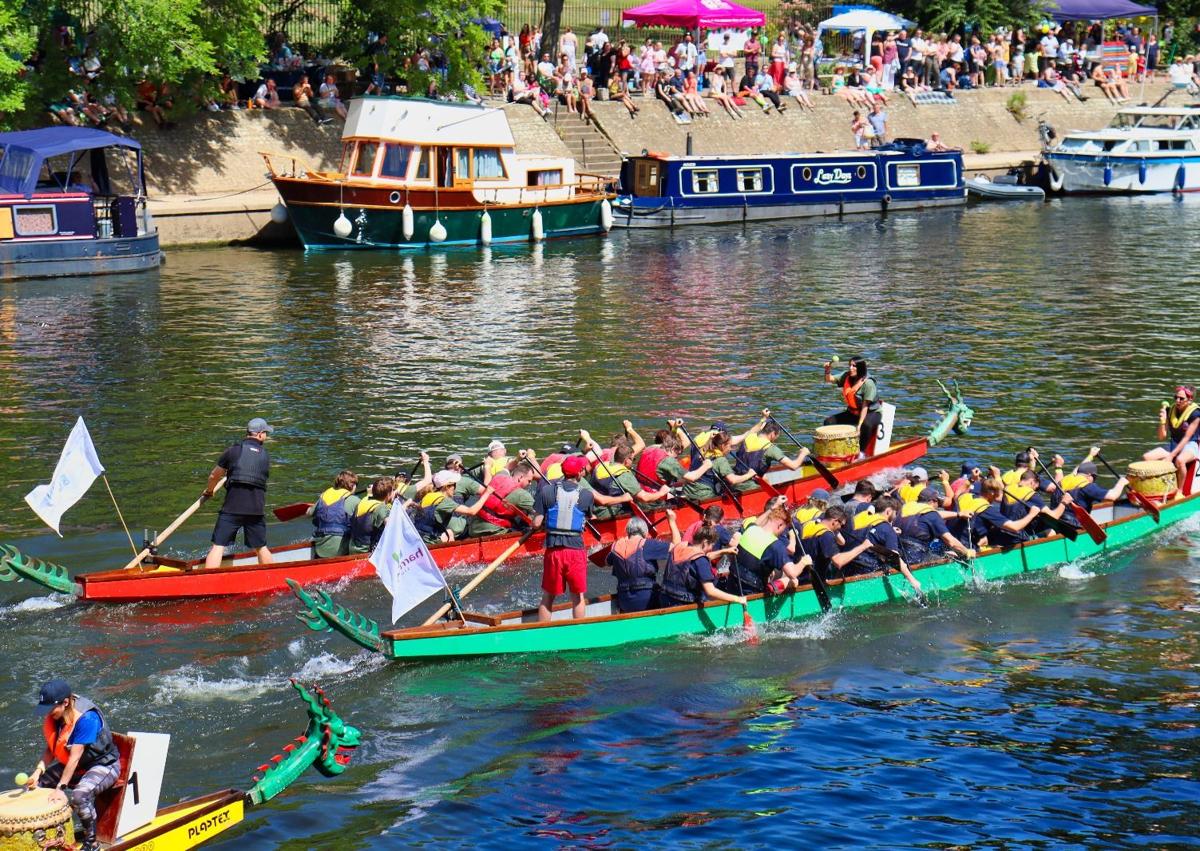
(646, 463)
(923, 531)
(813, 507)
(614, 479)
(1082, 487)
(820, 540)
(696, 451)
(1025, 492)
(245, 466)
(496, 459)
(873, 537)
(762, 553)
(441, 516)
(671, 472)
(864, 495)
(509, 506)
(562, 507)
(636, 560)
(1178, 424)
(332, 516)
(371, 514)
(80, 756)
(989, 524)
(551, 465)
(716, 457)
(970, 480)
(468, 487)
(714, 515)
(863, 405)
(759, 451)
(910, 490)
(689, 578)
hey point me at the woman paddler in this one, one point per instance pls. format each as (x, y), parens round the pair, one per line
(1178, 424)
(689, 577)
(862, 402)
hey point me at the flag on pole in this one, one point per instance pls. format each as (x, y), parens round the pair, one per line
(404, 563)
(77, 468)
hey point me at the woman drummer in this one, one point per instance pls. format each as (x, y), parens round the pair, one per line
(1178, 425)
(862, 402)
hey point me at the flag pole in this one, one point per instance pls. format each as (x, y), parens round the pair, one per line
(120, 516)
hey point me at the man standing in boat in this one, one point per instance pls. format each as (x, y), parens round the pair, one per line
(245, 467)
(563, 508)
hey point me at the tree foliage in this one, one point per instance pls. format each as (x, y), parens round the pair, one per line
(17, 40)
(984, 16)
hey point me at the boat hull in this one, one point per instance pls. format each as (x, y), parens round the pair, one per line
(993, 191)
(453, 639)
(626, 215)
(1086, 174)
(172, 579)
(55, 258)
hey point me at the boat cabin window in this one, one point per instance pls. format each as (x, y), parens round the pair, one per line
(462, 163)
(364, 165)
(704, 181)
(908, 175)
(750, 179)
(35, 221)
(424, 155)
(488, 165)
(645, 178)
(545, 177)
(395, 161)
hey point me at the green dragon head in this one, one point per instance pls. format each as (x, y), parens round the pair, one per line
(958, 418)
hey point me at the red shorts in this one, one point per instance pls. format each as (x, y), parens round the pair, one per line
(564, 567)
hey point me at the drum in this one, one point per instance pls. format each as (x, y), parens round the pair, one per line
(35, 820)
(834, 443)
(1153, 479)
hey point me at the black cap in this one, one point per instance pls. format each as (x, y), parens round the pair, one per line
(52, 694)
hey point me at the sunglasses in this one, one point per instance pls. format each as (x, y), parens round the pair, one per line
(1181, 398)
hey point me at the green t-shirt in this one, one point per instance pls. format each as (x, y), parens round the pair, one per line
(467, 490)
(699, 491)
(519, 498)
(447, 519)
(670, 470)
(327, 546)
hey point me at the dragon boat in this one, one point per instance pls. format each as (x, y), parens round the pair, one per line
(127, 815)
(516, 632)
(164, 578)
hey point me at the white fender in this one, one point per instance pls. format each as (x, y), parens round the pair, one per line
(606, 216)
(536, 229)
(406, 222)
(1056, 181)
(342, 226)
(485, 228)
(437, 233)
(279, 213)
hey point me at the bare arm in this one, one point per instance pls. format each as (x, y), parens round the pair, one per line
(715, 593)
(844, 558)
(674, 527)
(426, 472)
(215, 476)
(473, 509)
(636, 444)
(1114, 493)
(693, 475)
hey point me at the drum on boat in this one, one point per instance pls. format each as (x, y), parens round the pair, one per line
(1153, 479)
(835, 443)
(35, 820)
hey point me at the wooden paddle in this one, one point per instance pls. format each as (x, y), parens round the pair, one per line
(162, 536)
(298, 509)
(816, 462)
(1058, 525)
(737, 502)
(820, 588)
(479, 577)
(1147, 504)
(1085, 519)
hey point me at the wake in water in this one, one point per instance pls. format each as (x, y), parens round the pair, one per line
(39, 604)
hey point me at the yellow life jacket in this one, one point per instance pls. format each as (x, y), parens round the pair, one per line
(813, 529)
(1012, 477)
(747, 523)
(807, 513)
(755, 540)
(1019, 492)
(331, 495)
(432, 498)
(366, 505)
(968, 503)
(495, 465)
(1177, 421)
(1072, 481)
(911, 493)
(867, 519)
(912, 509)
(554, 471)
(601, 471)
(756, 441)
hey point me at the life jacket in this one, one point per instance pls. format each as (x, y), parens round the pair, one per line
(849, 394)
(909, 493)
(753, 452)
(754, 542)
(103, 751)
(909, 526)
(696, 453)
(425, 517)
(1072, 481)
(630, 566)
(603, 482)
(363, 533)
(495, 465)
(969, 503)
(807, 513)
(1179, 421)
(813, 529)
(647, 466)
(864, 520)
(252, 466)
(1012, 477)
(912, 509)
(564, 516)
(503, 484)
(330, 516)
(679, 581)
(498, 512)
(553, 461)
(1019, 491)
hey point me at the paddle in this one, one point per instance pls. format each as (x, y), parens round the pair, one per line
(1147, 504)
(298, 509)
(737, 502)
(748, 627)
(1085, 519)
(820, 588)
(649, 482)
(479, 577)
(816, 462)
(586, 523)
(894, 557)
(162, 536)
(1060, 526)
(758, 477)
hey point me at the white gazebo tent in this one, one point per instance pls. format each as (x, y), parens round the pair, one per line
(867, 21)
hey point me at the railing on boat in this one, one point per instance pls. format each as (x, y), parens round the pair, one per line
(122, 216)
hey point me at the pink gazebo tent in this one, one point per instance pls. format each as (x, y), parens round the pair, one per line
(693, 14)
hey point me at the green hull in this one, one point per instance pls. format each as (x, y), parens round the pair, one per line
(453, 640)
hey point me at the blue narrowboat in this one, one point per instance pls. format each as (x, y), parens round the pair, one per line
(665, 191)
(73, 202)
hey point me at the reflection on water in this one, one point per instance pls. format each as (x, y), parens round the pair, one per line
(1053, 711)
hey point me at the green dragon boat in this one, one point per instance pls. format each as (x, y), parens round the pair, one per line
(520, 632)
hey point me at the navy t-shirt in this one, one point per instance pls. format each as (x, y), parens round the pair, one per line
(546, 498)
(1016, 511)
(990, 522)
(822, 549)
(1088, 495)
(926, 527)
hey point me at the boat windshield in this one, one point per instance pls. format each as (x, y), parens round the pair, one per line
(1124, 120)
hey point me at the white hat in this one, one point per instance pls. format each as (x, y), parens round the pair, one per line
(918, 473)
(444, 478)
(791, 66)
(495, 444)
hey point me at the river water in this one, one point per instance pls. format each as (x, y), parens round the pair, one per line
(1057, 710)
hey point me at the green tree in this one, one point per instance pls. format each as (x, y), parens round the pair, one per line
(17, 40)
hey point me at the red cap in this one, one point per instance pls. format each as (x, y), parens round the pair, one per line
(574, 465)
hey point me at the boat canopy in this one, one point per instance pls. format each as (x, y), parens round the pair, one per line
(427, 122)
(23, 152)
(1097, 10)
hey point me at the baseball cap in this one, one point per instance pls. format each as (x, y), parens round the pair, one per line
(1087, 468)
(566, 449)
(718, 425)
(919, 473)
(574, 465)
(820, 493)
(444, 478)
(53, 693)
(927, 494)
(495, 444)
(259, 424)
(454, 459)
(968, 466)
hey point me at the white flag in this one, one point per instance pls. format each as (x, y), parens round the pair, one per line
(404, 564)
(77, 468)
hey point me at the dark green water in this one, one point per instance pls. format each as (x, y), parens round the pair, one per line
(1056, 711)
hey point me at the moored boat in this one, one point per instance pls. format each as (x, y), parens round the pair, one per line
(1005, 188)
(417, 173)
(73, 202)
(518, 632)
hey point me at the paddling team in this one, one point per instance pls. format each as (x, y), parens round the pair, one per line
(716, 558)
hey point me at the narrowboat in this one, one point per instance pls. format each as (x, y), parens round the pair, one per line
(664, 191)
(416, 173)
(1143, 149)
(73, 202)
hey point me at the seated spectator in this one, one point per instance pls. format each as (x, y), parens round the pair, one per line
(765, 84)
(329, 97)
(227, 96)
(148, 97)
(749, 91)
(1050, 79)
(664, 91)
(793, 85)
(302, 94)
(910, 86)
(717, 91)
(1118, 85)
(874, 88)
(618, 87)
(948, 78)
(691, 95)
(527, 91)
(267, 96)
(936, 145)
(587, 92)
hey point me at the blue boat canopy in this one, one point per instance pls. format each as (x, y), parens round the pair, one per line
(23, 152)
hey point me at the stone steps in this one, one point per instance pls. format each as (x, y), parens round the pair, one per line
(592, 151)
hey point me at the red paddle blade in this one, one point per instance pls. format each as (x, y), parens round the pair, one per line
(600, 556)
(1147, 505)
(290, 512)
(1089, 524)
(748, 627)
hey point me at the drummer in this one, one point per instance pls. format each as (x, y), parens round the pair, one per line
(863, 406)
(80, 757)
(1178, 424)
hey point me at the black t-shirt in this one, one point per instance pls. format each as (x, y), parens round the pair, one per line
(240, 498)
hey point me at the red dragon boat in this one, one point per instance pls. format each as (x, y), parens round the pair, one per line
(164, 578)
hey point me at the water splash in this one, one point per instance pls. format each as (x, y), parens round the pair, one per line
(188, 683)
(42, 604)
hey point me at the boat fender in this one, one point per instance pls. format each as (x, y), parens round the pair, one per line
(1180, 178)
(437, 233)
(1056, 181)
(1142, 172)
(342, 226)
(279, 213)
(1107, 174)
(606, 216)
(485, 228)
(887, 202)
(406, 222)
(536, 230)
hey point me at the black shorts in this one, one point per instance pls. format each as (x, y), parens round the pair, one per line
(253, 526)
